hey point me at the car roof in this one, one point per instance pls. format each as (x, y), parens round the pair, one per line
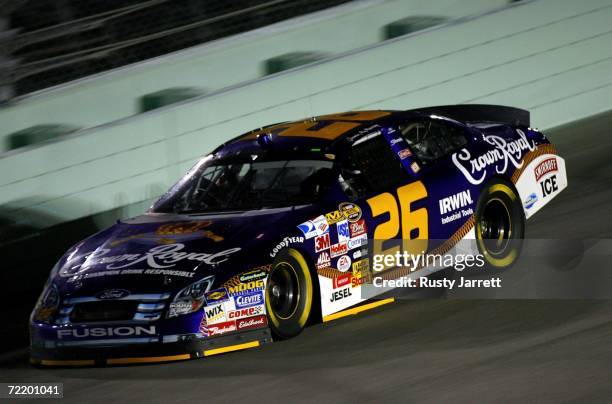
(316, 132)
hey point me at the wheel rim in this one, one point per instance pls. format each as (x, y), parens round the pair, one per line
(495, 226)
(284, 292)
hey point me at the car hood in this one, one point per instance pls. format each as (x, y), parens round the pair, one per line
(153, 252)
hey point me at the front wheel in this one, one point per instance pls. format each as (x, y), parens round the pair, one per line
(289, 294)
(500, 224)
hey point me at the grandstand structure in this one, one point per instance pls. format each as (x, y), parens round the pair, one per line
(101, 145)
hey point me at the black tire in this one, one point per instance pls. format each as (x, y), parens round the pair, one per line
(289, 294)
(500, 224)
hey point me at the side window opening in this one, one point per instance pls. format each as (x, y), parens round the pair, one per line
(372, 167)
(432, 140)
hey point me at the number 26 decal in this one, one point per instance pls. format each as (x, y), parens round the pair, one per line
(412, 223)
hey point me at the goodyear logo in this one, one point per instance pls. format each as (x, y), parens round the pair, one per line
(246, 287)
(334, 217)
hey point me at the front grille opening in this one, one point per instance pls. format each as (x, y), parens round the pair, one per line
(117, 310)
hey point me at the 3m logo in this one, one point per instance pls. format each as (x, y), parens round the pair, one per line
(547, 166)
(322, 242)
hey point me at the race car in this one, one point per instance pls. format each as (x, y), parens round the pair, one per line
(275, 229)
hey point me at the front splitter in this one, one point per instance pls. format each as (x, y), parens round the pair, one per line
(149, 353)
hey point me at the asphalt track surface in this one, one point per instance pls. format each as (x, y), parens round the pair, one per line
(422, 350)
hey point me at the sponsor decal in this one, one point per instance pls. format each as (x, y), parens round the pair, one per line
(221, 328)
(334, 217)
(395, 141)
(112, 294)
(253, 275)
(246, 287)
(503, 155)
(338, 249)
(343, 231)
(547, 166)
(285, 243)
(549, 185)
(250, 323)
(180, 228)
(214, 314)
(322, 242)
(358, 228)
(96, 332)
(404, 154)
(341, 294)
(321, 225)
(415, 167)
(350, 211)
(341, 281)
(308, 229)
(530, 201)
(344, 263)
(357, 254)
(216, 296)
(324, 260)
(180, 307)
(247, 312)
(358, 241)
(457, 215)
(248, 300)
(163, 256)
(361, 266)
(454, 202)
(171, 233)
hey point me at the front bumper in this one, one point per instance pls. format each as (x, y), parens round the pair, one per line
(49, 353)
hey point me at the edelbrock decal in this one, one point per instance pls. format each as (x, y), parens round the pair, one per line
(503, 154)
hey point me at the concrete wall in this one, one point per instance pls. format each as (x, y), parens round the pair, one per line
(550, 56)
(113, 95)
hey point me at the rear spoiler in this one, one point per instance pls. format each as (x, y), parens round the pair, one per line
(480, 113)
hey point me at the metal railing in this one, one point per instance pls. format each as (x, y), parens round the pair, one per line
(36, 54)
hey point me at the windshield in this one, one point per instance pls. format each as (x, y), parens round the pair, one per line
(240, 185)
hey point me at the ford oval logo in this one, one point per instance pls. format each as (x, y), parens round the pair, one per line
(113, 294)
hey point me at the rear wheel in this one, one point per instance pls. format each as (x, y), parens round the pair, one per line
(289, 294)
(500, 224)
